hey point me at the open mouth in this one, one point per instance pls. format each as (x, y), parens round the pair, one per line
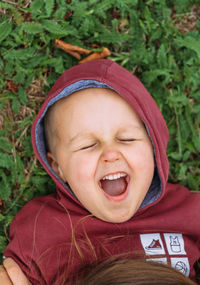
(114, 184)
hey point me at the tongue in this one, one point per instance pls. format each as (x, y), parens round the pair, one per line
(114, 187)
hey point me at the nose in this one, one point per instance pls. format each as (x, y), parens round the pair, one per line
(110, 155)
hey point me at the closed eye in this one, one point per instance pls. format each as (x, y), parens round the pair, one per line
(127, 140)
(88, 146)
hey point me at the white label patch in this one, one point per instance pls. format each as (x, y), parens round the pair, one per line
(152, 244)
(181, 264)
(161, 260)
(175, 244)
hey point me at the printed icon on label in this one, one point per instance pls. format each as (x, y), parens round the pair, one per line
(182, 267)
(155, 244)
(181, 264)
(175, 244)
(152, 244)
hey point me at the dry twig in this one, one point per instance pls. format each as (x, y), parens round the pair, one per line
(71, 49)
(96, 55)
(77, 51)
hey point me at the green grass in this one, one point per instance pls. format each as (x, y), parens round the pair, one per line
(157, 40)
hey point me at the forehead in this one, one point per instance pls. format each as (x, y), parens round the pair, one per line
(92, 100)
(91, 108)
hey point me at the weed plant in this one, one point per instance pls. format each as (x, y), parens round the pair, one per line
(159, 41)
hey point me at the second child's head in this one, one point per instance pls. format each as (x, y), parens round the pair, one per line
(131, 272)
(98, 145)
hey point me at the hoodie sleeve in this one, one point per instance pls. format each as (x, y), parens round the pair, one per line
(18, 248)
(40, 236)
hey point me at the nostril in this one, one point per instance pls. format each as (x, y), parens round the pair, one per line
(111, 159)
(110, 156)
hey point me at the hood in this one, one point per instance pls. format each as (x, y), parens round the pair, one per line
(105, 73)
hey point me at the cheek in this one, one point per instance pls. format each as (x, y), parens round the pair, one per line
(142, 158)
(81, 169)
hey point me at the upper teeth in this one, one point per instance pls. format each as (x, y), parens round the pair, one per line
(114, 176)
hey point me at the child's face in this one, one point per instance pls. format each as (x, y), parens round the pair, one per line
(100, 136)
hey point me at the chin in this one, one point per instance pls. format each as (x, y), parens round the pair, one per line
(117, 218)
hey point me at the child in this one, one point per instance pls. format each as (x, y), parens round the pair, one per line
(102, 139)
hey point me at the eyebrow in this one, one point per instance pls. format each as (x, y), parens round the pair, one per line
(133, 126)
(81, 135)
(88, 135)
(130, 127)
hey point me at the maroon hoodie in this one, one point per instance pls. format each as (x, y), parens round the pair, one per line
(53, 235)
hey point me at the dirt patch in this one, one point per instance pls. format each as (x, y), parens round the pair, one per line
(188, 21)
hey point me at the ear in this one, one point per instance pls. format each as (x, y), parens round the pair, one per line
(54, 165)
